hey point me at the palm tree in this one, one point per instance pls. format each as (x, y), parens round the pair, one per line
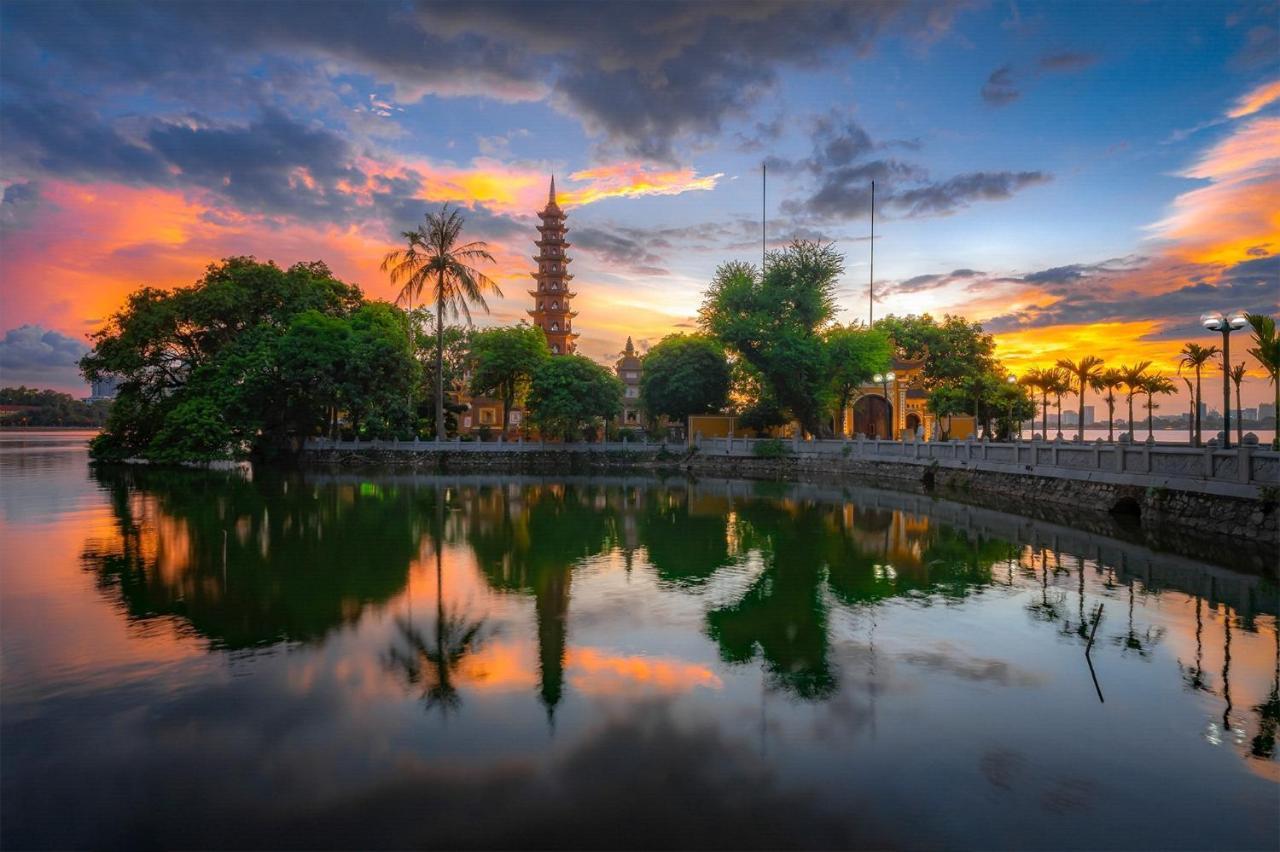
(1059, 386)
(433, 258)
(1191, 412)
(1196, 356)
(1151, 385)
(1083, 372)
(1109, 380)
(1266, 348)
(1133, 375)
(1236, 374)
(1037, 379)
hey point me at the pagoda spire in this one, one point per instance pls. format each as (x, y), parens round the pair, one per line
(551, 194)
(552, 300)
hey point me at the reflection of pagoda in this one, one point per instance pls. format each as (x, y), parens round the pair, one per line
(551, 311)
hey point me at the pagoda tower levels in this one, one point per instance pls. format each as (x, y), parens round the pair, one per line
(551, 311)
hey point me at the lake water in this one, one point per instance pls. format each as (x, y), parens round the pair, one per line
(357, 660)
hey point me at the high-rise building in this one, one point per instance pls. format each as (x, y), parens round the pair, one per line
(1089, 415)
(551, 311)
(1266, 410)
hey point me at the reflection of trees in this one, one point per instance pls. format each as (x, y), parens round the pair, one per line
(250, 563)
(1142, 642)
(530, 544)
(782, 614)
(1194, 676)
(1263, 745)
(684, 546)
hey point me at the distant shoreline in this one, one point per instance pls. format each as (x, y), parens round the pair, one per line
(50, 428)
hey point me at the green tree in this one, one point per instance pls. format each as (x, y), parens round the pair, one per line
(205, 371)
(570, 392)
(1195, 356)
(948, 401)
(1108, 380)
(775, 321)
(954, 350)
(1040, 380)
(503, 361)
(51, 408)
(1266, 349)
(434, 258)
(854, 355)
(683, 375)
(1082, 373)
(1059, 384)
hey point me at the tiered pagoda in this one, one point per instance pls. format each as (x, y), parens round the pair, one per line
(551, 300)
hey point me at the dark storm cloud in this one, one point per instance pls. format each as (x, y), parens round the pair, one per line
(933, 281)
(642, 76)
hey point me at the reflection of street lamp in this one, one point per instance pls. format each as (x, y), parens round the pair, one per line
(1012, 380)
(883, 380)
(1233, 321)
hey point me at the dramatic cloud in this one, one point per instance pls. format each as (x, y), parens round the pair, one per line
(841, 165)
(32, 355)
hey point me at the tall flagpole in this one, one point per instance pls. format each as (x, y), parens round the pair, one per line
(871, 297)
(764, 189)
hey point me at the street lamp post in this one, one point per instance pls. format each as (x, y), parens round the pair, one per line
(1233, 321)
(883, 380)
(1011, 379)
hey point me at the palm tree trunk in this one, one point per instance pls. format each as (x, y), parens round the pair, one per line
(1080, 422)
(440, 431)
(1059, 408)
(1044, 416)
(1111, 417)
(1239, 418)
(1150, 412)
(1197, 405)
(1130, 401)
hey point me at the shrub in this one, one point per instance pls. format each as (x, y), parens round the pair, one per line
(771, 448)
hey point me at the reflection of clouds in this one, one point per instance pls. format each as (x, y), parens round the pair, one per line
(595, 671)
(979, 669)
(1001, 767)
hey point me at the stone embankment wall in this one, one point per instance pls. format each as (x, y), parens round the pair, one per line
(1238, 518)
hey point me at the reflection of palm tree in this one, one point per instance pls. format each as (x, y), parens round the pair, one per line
(1143, 642)
(1264, 744)
(432, 664)
(1194, 676)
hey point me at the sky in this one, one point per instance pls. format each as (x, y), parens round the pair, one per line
(1078, 177)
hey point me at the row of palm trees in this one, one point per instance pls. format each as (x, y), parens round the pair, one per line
(1073, 378)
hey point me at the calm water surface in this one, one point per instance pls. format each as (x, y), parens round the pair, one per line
(196, 659)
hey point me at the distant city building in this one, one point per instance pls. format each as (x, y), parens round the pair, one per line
(104, 388)
(1089, 418)
(551, 311)
(628, 370)
(1266, 410)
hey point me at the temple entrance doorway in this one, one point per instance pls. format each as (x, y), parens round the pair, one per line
(871, 416)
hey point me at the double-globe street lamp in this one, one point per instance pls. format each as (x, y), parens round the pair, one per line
(1234, 321)
(883, 379)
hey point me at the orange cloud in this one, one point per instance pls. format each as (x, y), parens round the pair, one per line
(632, 180)
(1251, 102)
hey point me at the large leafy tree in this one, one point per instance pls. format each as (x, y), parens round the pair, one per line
(207, 371)
(684, 374)
(775, 321)
(569, 393)
(854, 355)
(434, 258)
(955, 350)
(503, 361)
